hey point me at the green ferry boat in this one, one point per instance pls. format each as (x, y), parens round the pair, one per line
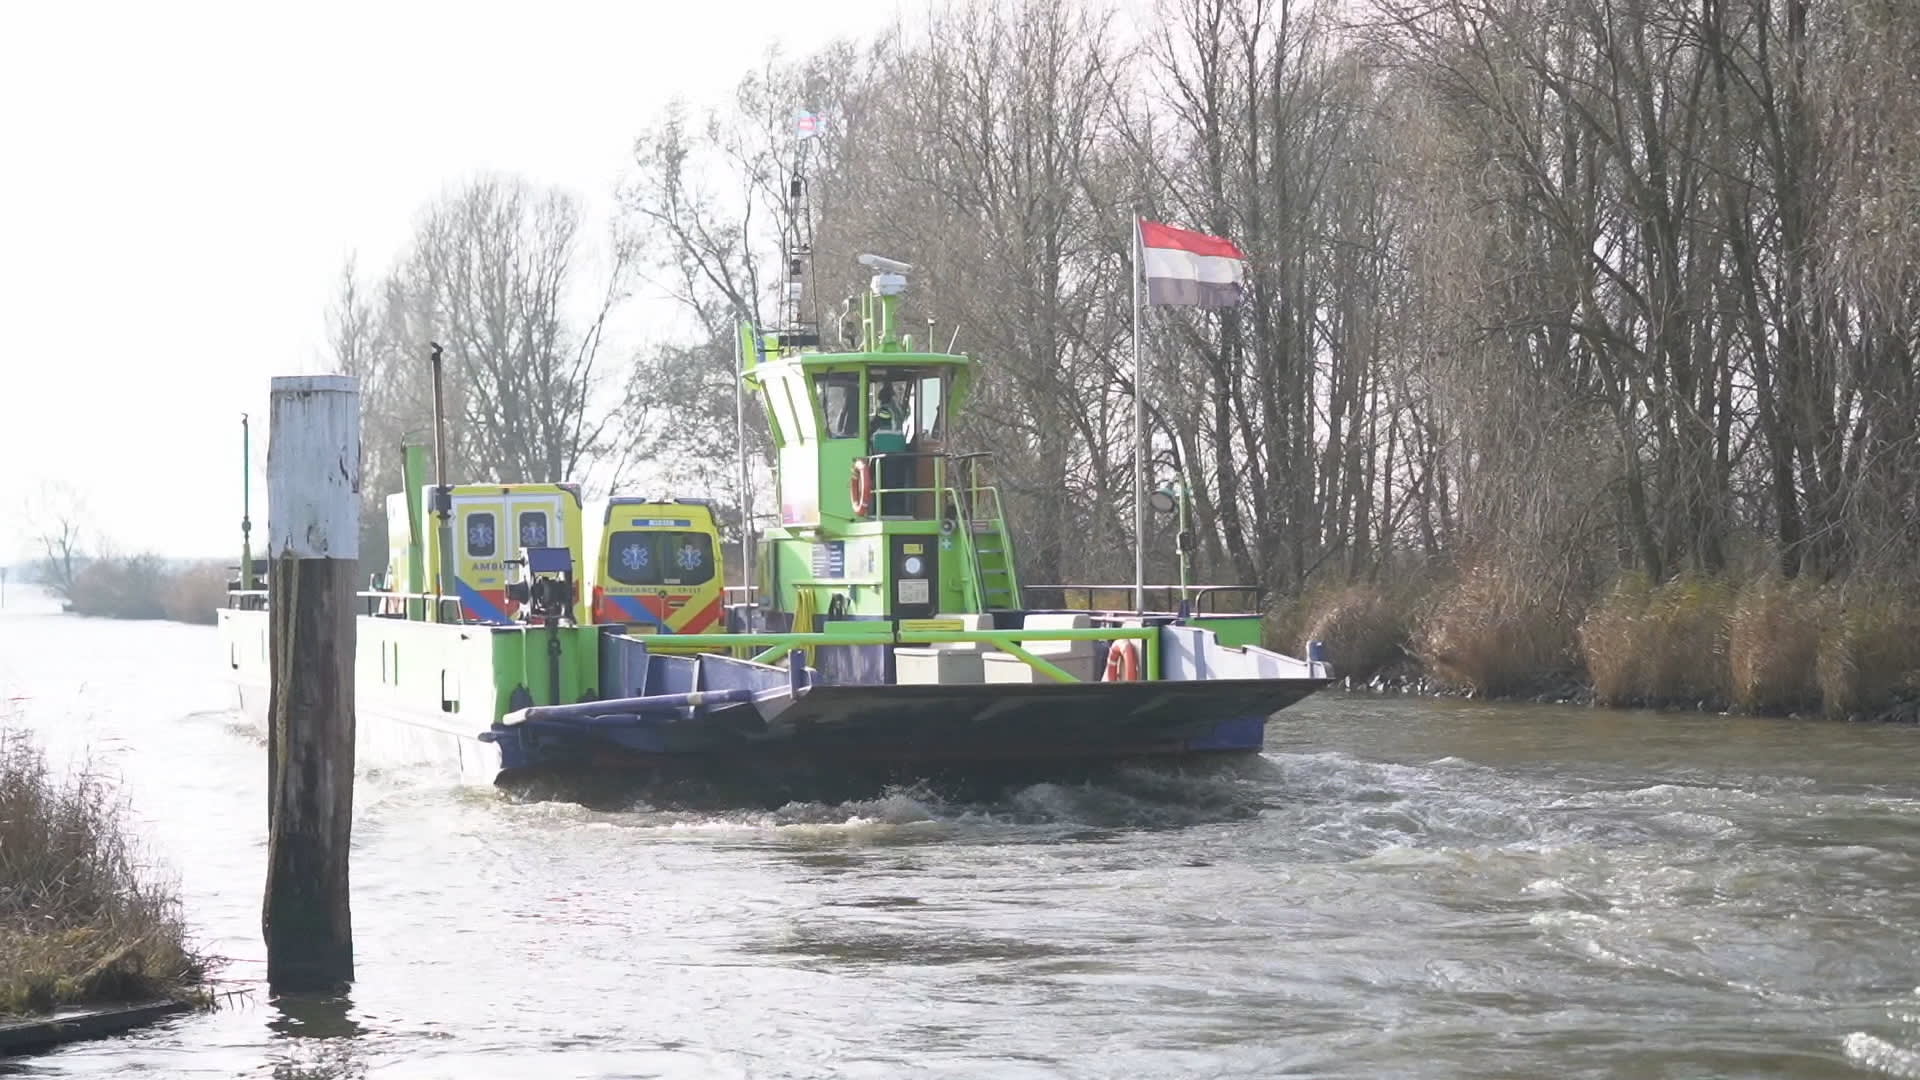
(885, 624)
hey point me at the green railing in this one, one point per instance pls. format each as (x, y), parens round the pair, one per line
(956, 497)
(955, 475)
(1205, 599)
(1010, 642)
(413, 606)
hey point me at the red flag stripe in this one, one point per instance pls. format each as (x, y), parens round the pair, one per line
(1154, 234)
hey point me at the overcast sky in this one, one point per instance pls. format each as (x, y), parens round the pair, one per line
(180, 184)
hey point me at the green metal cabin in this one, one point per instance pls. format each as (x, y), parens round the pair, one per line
(879, 515)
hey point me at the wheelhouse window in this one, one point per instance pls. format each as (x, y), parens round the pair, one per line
(482, 541)
(660, 558)
(839, 394)
(927, 411)
(892, 388)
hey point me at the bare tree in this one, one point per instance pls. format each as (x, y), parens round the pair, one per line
(708, 243)
(496, 274)
(56, 517)
(1575, 286)
(493, 271)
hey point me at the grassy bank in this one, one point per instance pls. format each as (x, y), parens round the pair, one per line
(1848, 650)
(81, 921)
(148, 587)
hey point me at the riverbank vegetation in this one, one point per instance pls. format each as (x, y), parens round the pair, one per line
(82, 920)
(1578, 352)
(142, 587)
(148, 587)
(1766, 645)
(89, 577)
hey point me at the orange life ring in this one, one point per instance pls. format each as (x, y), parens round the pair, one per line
(1123, 662)
(860, 488)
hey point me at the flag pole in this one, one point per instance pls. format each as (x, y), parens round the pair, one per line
(1139, 443)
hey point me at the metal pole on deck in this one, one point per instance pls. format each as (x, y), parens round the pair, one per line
(1184, 539)
(442, 496)
(313, 538)
(746, 492)
(1139, 441)
(246, 506)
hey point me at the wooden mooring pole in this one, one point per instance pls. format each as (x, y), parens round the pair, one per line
(313, 528)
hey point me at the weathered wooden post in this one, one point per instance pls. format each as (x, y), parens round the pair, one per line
(313, 529)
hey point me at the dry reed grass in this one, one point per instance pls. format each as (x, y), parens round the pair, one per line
(1647, 644)
(1363, 629)
(1773, 645)
(1768, 646)
(1494, 634)
(1869, 656)
(1285, 621)
(195, 593)
(80, 920)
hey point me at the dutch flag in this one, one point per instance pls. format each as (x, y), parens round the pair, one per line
(1190, 268)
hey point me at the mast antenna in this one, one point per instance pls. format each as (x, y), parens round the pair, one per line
(797, 237)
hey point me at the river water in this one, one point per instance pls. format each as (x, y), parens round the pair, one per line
(1396, 888)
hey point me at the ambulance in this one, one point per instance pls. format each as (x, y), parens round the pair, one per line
(493, 524)
(657, 567)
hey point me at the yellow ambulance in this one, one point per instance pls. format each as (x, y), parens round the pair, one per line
(492, 524)
(657, 567)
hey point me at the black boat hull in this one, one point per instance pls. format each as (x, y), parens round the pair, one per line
(888, 727)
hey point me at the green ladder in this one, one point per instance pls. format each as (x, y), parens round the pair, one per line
(996, 581)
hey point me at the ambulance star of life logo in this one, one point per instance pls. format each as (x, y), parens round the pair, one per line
(479, 534)
(633, 557)
(689, 557)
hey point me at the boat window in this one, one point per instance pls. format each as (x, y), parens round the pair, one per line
(839, 394)
(926, 414)
(533, 528)
(660, 558)
(480, 535)
(892, 393)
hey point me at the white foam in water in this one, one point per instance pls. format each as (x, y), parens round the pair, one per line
(1547, 887)
(1407, 855)
(1872, 1052)
(714, 825)
(1694, 823)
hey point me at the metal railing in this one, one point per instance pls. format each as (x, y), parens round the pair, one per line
(1011, 642)
(246, 599)
(394, 605)
(923, 501)
(913, 503)
(385, 605)
(1202, 599)
(771, 645)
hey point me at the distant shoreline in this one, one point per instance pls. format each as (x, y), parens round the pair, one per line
(146, 587)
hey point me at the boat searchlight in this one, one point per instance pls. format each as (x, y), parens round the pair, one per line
(890, 275)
